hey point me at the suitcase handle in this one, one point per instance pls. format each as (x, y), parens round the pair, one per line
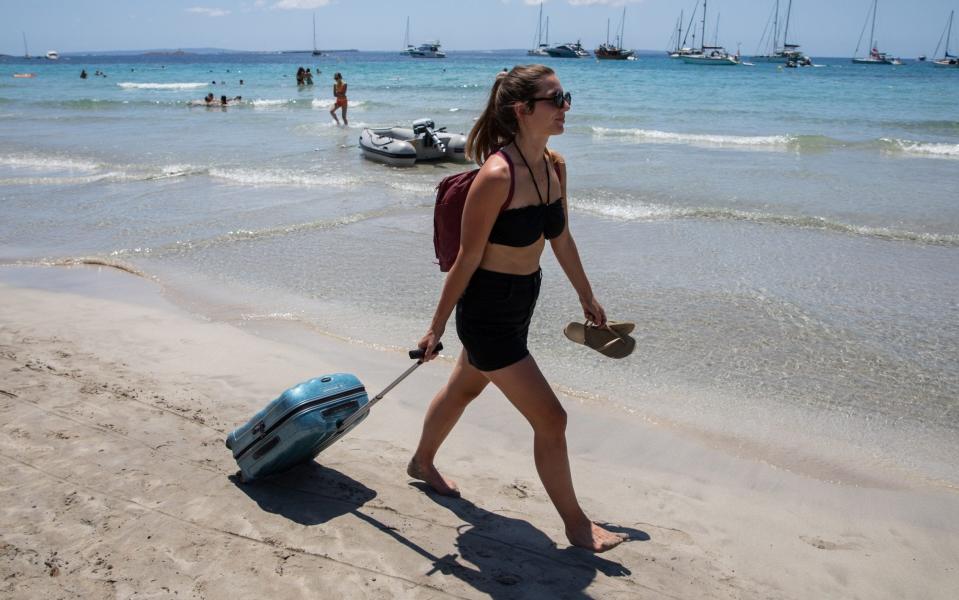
(419, 353)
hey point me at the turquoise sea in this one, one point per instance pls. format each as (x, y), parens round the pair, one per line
(787, 241)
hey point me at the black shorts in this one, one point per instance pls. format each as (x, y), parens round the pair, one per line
(493, 315)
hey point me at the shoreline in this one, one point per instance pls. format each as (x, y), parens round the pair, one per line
(115, 403)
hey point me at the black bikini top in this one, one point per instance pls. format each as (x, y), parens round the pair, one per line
(520, 227)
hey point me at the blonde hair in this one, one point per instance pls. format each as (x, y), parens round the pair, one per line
(497, 126)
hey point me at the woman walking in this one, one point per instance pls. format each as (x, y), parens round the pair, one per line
(339, 93)
(515, 204)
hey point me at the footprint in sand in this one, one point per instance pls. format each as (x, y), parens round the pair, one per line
(822, 544)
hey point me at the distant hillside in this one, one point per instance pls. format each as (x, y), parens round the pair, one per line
(157, 52)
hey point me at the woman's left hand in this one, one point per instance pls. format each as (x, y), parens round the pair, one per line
(594, 312)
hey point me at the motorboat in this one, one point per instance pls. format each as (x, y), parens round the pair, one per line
(404, 147)
(53, 55)
(570, 50)
(427, 50)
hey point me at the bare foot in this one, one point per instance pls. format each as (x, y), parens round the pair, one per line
(432, 477)
(595, 538)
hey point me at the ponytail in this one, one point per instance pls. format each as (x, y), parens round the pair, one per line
(497, 126)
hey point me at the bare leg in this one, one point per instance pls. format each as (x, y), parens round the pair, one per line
(333, 114)
(345, 122)
(524, 385)
(465, 383)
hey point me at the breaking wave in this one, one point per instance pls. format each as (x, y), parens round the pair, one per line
(933, 149)
(801, 143)
(47, 163)
(280, 177)
(654, 212)
(701, 139)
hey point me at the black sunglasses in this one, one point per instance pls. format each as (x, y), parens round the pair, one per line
(558, 99)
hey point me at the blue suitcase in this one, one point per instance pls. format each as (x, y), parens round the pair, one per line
(303, 421)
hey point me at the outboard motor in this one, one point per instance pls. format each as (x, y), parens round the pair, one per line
(425, 127)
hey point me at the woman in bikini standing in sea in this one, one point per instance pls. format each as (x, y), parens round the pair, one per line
(339, 93)
(494, 284)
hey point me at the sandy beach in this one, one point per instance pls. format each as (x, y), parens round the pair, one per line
(116, 482)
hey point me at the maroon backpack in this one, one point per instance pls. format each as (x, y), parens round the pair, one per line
(448, 213)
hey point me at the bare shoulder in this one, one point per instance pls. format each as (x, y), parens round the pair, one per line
(492, 182)
(495, 170)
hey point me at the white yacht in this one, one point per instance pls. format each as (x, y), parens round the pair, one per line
(875, 56)
(540, 48)
(681, 49)
(780, 53)
(409, 48)
(569, 50)
(947, 60)
(711, 55)
(53, 55)
(428, 50)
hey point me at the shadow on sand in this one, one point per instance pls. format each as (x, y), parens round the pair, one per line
(497, 555)
(507, 557)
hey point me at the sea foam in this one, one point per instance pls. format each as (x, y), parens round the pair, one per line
(127, 85)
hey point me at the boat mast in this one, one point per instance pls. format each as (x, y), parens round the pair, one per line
(607, 31)
(26, 51)
(789, 10)
(407, 39)
(703, 39)
(314, 33)
(872, 32)
(776, 29)
(679, 36)
(539, 26)
(622, 29)
(948, 34)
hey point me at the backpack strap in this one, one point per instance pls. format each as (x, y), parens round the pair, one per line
(512, 179)
(552, 158)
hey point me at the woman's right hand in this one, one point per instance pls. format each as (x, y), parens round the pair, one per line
(428, 344)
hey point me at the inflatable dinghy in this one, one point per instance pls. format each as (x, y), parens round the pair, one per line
(402, 147)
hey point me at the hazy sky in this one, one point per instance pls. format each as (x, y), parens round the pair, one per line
(824, 27)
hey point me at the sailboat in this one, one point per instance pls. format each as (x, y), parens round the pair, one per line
(409, 48)
(947, 60)
(787, 52)
(875, 56)
(540, 48)
(711, 55)
(615, 51)
(681, 49)
(315, 51)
